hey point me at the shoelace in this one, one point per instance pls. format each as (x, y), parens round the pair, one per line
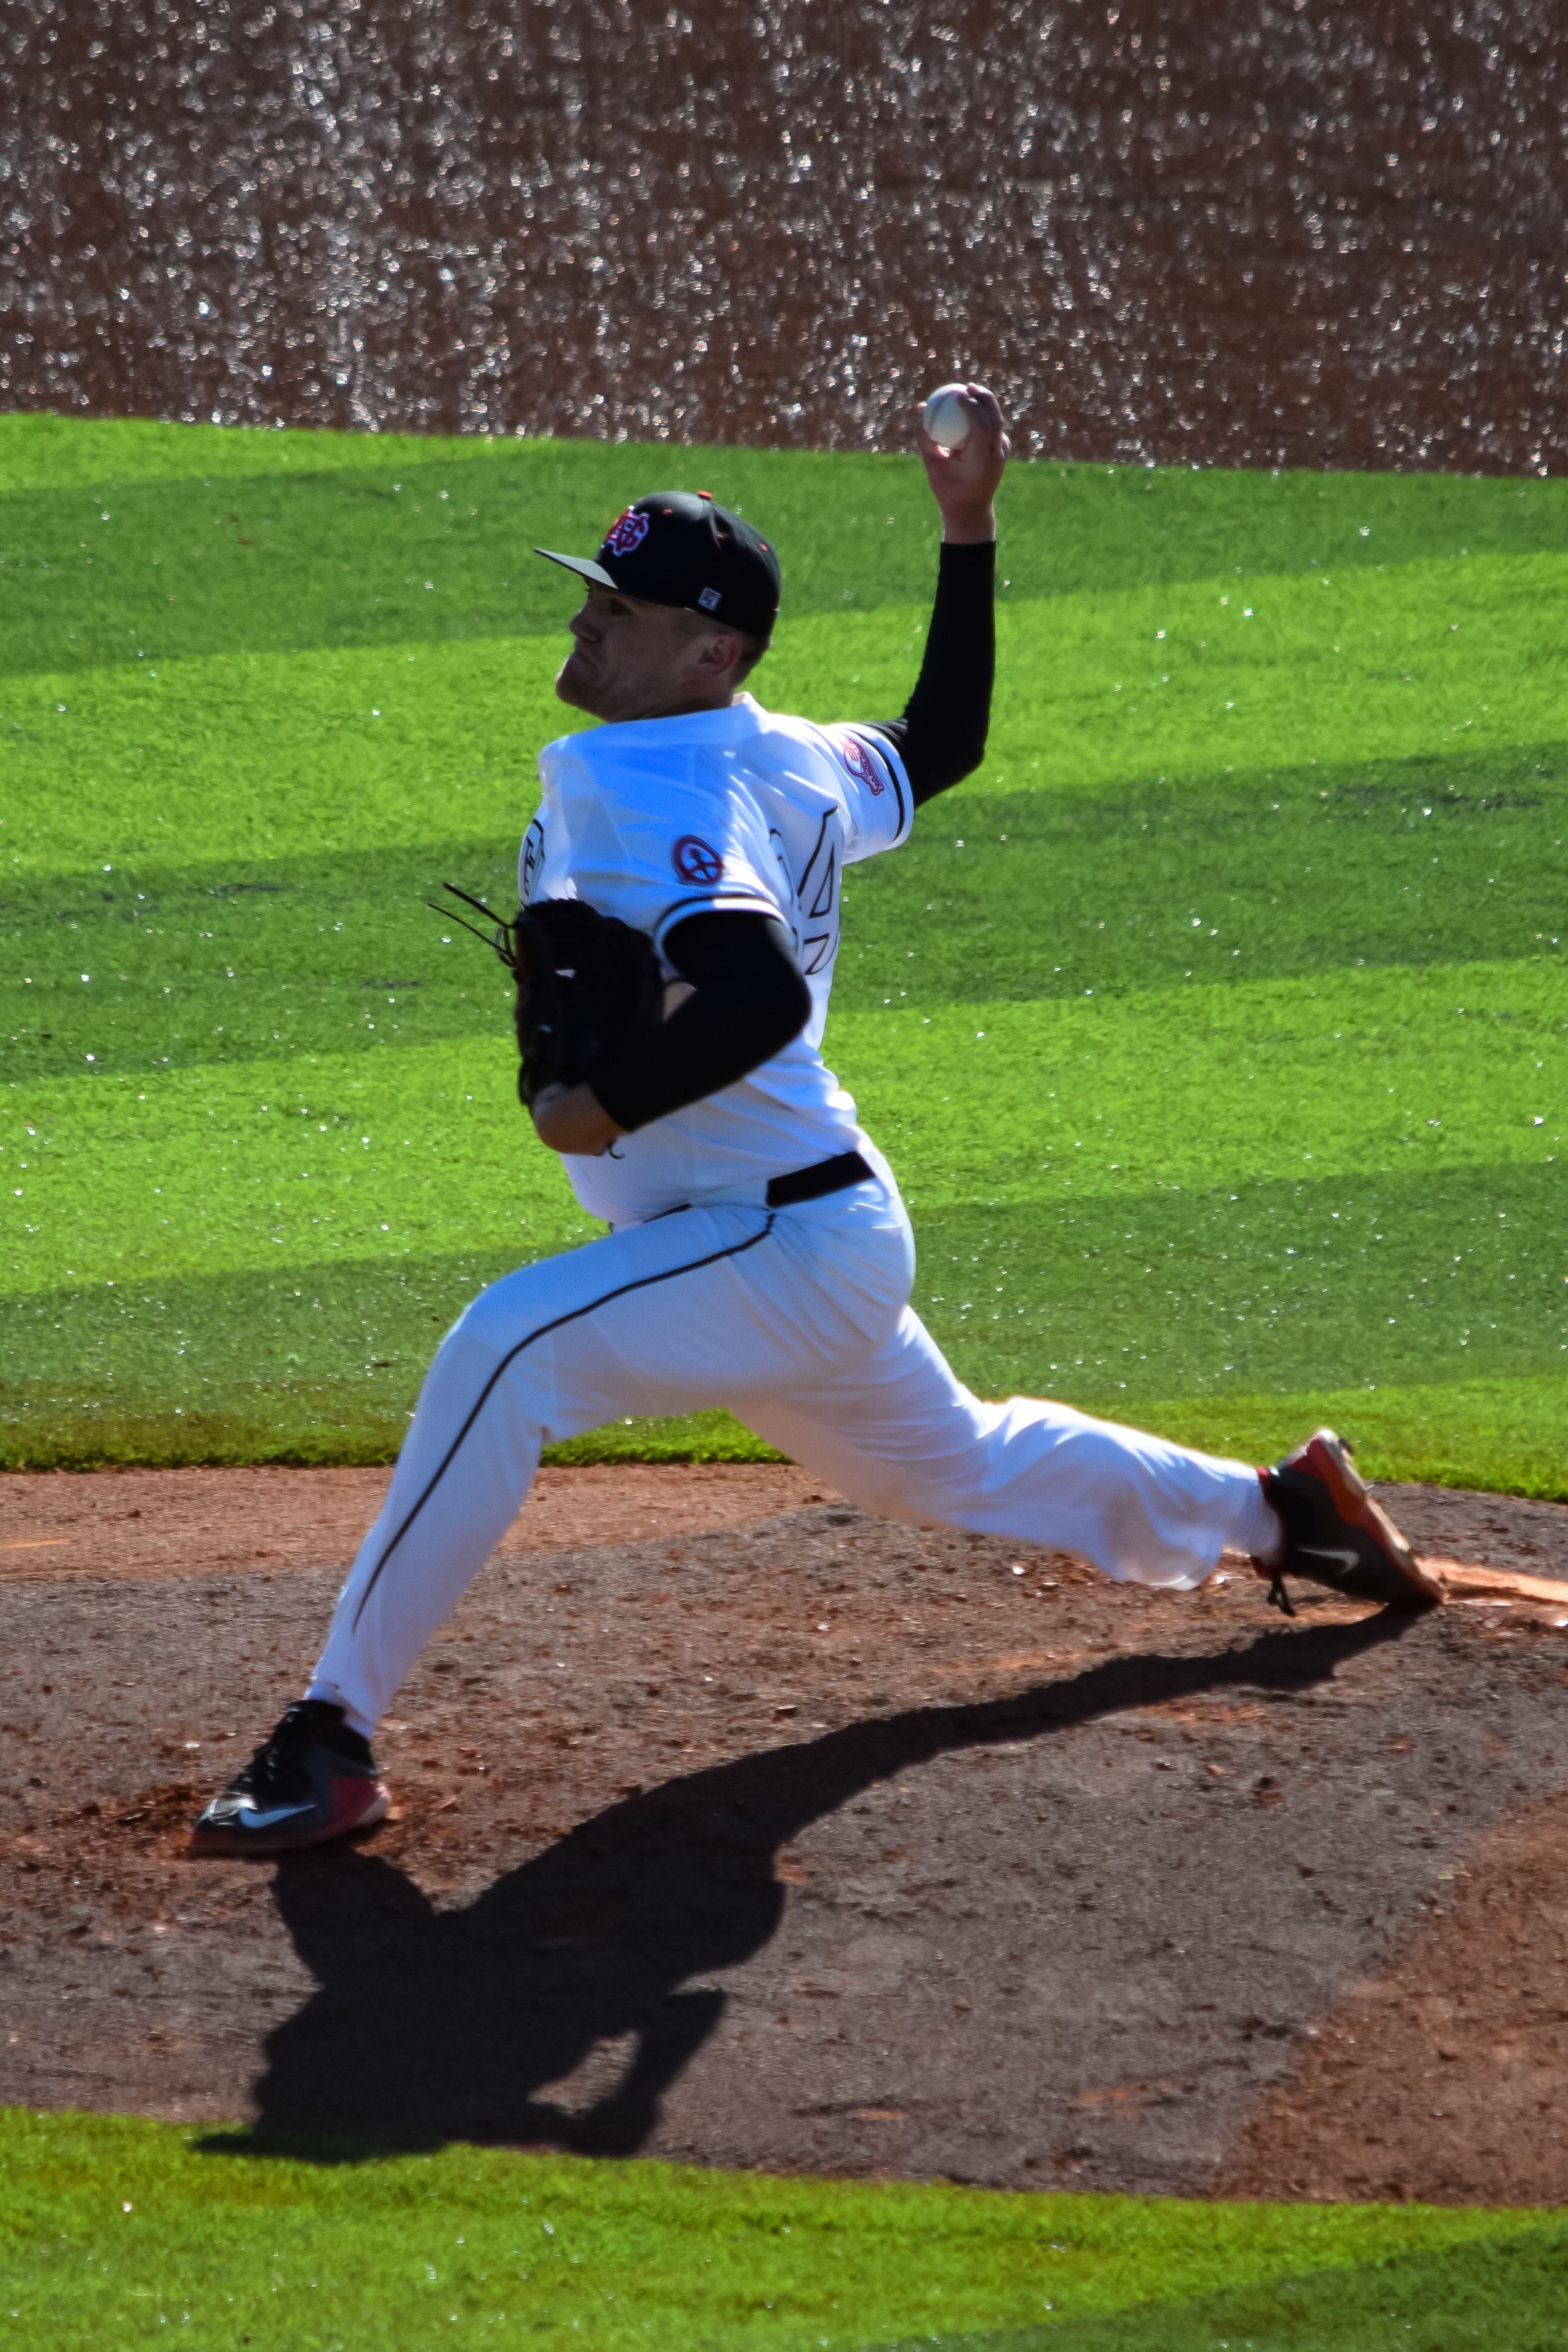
(274, 1770)
(1278, 1596)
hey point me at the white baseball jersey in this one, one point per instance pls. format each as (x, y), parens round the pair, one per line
(656, 819)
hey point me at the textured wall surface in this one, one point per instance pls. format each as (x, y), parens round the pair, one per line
(1246, 231)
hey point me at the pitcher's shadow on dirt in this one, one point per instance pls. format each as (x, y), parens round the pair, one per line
(430, 2026)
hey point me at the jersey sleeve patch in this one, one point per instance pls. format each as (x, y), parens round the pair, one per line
(877, 803)
(861, 764)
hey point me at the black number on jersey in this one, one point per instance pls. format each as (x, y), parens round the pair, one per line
(815, 895)
(532, 861)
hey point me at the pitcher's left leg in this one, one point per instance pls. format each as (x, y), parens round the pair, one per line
(901, 1435)
(904, 1437)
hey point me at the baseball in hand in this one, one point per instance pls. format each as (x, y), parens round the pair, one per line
(946, 418)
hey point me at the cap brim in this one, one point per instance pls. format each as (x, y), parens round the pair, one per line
(579, 563)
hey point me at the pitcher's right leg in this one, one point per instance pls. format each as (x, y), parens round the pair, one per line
(541, 1354)
(661, 1318)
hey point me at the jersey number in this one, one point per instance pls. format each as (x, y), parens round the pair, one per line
(815, 894)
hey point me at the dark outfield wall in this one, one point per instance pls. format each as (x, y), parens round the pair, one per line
(1247, 232)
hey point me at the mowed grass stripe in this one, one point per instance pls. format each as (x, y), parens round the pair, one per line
(1221, 880)
(1510, 2294)
(60, 454)
(116, 2228)
(247, 754)
(220, 546)
(1128, 1303)
(1350, 1072)
(217, 1167)
(1148, 1226)
(139, 963)
(244, 757)
(157, 967)
(1409, 1073)
(1351, 666)
(1482, 1433)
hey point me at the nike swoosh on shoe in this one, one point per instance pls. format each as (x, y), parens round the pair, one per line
(254, 1818)
(1317, 1551)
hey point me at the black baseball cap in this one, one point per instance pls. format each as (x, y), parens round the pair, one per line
(680, 547)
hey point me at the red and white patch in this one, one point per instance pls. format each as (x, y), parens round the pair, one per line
(626, 534)
(859, 763)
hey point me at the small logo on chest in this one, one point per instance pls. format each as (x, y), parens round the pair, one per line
(695, 860)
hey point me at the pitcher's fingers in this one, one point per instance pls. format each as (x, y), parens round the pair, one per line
(984, 406)
(985, 414)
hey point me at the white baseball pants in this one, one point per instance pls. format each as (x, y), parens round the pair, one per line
(799, 1320)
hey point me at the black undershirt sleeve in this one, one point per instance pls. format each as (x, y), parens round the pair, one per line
(751, 1001)
(941, 739)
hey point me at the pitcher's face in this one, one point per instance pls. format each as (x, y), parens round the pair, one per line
(634, 660)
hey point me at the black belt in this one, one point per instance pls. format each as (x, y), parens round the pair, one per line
(834, 1175)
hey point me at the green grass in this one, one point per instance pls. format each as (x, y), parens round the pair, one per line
(113, 2230)
(1216, 1029)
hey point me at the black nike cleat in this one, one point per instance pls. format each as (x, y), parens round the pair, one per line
(314, 1779)
(1336, 1535)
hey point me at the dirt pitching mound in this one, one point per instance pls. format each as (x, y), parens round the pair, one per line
(737, 1826)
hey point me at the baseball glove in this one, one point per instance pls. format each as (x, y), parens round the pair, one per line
(587, 984)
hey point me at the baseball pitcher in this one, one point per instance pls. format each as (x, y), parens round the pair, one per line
(681, 887)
